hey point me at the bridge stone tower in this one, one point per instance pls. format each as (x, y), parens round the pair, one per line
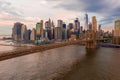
(91, 39)
(91, 34)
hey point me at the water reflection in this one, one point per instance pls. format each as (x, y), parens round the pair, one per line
(100, 64)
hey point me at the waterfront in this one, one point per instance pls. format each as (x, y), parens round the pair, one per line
(65, 63)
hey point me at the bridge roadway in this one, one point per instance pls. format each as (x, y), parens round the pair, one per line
(34, 49)
(6, 45)
(14, 45)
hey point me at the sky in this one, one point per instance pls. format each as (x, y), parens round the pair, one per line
(30, 12)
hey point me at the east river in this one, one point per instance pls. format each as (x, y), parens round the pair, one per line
(66, 63)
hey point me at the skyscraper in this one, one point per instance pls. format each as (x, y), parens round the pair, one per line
(41, 29)
(46, 29)
(23, 31)
(70, 26)
(77, 24)
(48, 26)
(33, 34)
(94, 23)
(59, 32)
(99, 28)
(27, 35)
(99, 31)
(116, 35)
(81, 29)
(64, 32)
(86, 22)
(16, 33)
(52, 30)
(117, 25)
(90, 26)
(38, 33)
(77, 27)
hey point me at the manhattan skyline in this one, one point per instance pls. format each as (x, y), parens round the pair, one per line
(31, 11)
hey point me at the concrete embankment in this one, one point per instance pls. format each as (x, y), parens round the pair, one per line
(12, 54)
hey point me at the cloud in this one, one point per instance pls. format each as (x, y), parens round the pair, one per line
(6, 7)
(105, 8)
(31, 11)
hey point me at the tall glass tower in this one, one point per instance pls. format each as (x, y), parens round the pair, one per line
(38, 35)
(86, 21)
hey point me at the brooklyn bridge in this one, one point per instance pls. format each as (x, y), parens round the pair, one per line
(90, 41)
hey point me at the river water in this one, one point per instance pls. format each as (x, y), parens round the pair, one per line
(65, 63)
(5, 48)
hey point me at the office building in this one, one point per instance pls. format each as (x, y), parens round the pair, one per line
(64, 32)
(38, 33)
(52, 30)
(58, 33)
(94, 23)
(58, 30)
(41, 29)
(116, 34)
(90, 26)
(81, 32)
(16, 31)
(23, 31)
(48, 28)
(86, 22)
(77, 24)
(33, 35)
(77, 28)
(70, 26)
(27, 35)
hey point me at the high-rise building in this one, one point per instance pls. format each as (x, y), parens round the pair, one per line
(77, 24)
(16, 33)
(52, 30)
(94, 23)
(77, 27)
(81, 29)
(48, 27)
(86, 22)
(116, 35)
(70, 26)
(99, 28)
(33, 34)
(68, 32)
(81, 32)
(23, 31)
(90, 26)
(27, 35)
(117, 28)
(41, 29)
(64, 32)
(99, 33)
(59, 29)
(48, 24)
(38, 33)
(56, 33)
